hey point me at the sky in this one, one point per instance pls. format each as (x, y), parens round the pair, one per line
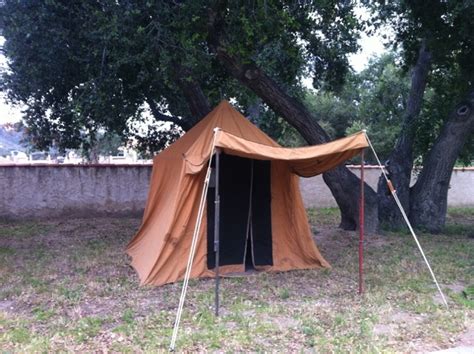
(7, 112)
(370, 46)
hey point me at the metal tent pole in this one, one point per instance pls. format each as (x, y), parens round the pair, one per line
(361, 225)
(217, 203)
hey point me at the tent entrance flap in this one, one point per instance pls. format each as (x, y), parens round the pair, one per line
(236, 179)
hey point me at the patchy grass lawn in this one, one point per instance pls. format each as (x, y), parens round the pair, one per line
(66, 285)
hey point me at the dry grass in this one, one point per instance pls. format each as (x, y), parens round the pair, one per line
(66, 286)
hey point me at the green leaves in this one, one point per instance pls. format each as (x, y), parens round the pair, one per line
(85, 67)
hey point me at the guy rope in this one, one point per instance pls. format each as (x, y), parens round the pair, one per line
(402, 210)
(193, 244)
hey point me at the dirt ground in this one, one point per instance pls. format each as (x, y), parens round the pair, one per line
(66, 285)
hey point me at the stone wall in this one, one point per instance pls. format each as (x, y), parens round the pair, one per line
(317, 194)
(42, 191)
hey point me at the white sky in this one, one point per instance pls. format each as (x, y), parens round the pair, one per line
(370, 46)
(8, 113)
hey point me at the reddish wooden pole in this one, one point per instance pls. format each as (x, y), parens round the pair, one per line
(361, 225)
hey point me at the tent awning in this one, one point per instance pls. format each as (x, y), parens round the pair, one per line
(304, 161)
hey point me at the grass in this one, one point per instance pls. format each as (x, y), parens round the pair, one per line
(323, 216)
(66, 285)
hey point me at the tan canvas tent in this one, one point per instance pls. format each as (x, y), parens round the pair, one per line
(263, 223)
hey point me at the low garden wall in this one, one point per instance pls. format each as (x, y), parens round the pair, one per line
(461, 189)
(40, 191)
(43, 191)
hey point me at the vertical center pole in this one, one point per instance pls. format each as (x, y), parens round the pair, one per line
(217, 203)
(361, 225)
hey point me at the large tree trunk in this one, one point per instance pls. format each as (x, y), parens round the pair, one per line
(343, 184)
(196, 100)
(429, 195)
(400, 161)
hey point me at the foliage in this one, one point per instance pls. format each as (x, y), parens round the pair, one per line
(447, 29)
(334, 112)
(79, 68)
(82, 68)
(89, 66)
(373, 99)
(381, 92)
(277, 128)
(158, 137)
(108, 144)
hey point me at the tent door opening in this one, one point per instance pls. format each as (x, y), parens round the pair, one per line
(245, 213)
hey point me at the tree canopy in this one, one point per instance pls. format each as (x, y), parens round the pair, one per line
(87, 68)
(447, 29)
(99, 65)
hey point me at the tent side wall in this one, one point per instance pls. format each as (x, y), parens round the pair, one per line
(293, 244)
(170, 264)
(161, 248)
(158, 218)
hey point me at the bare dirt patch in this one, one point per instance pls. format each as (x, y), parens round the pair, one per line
(66, 285)
(467, 338)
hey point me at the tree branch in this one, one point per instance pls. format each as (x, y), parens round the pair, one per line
(196, 99)
(343, 184)
(419, 77)
(400, 161)
(166, 118)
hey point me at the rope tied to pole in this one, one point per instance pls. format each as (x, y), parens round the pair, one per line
(393, 191)
(193, 244)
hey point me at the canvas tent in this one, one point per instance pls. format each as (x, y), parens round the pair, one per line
(263, 223)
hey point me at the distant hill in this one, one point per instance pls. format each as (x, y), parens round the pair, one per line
(9, 139)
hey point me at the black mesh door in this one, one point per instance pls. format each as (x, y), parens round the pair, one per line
(235, 183)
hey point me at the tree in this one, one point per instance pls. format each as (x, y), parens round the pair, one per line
(437, 41)
(85, 66)
(334, 32)
(373, 99)
(98, 61)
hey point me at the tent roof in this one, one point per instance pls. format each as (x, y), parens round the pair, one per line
(226, 128)
(304, 161)
(197, 141)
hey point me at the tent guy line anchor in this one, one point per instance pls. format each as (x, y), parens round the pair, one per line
(193, 245)
(402, 210)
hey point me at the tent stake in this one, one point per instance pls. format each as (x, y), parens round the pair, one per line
(361, 225)
(217, 203)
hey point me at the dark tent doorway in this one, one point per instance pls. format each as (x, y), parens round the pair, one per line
(245, 226)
